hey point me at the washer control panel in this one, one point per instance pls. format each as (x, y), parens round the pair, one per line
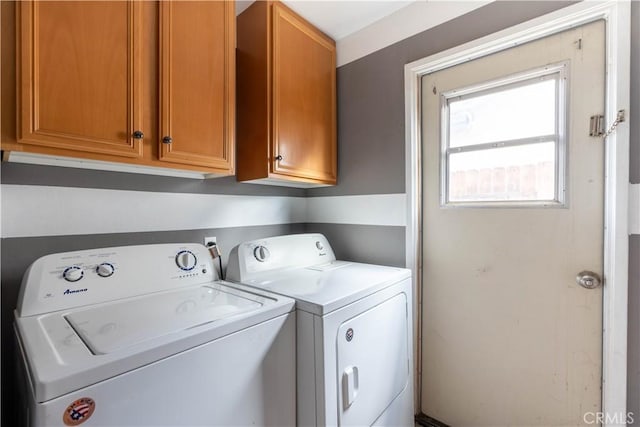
(72, 279)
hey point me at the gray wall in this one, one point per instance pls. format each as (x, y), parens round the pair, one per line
(371, 140)
(364, 243)
(22, 174)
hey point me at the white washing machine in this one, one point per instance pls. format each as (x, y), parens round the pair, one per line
(146, 336)
(354, 329)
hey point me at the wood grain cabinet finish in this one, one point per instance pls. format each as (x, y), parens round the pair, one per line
(197, 83)
(79, 76)
(91, 74)
(286, 99)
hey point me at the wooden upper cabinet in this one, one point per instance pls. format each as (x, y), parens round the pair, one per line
(197, 75)
(286, 99)
(79, 77)
(107, 81)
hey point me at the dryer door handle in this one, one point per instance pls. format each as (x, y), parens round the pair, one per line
(349, 386)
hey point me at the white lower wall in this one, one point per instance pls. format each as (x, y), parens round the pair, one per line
(370, 209)
(35, 210)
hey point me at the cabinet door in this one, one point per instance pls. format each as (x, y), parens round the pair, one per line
(304, 99)
(197, 80)
(79, 76)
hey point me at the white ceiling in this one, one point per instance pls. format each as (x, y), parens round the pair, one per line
(339, 18)
(361, 27)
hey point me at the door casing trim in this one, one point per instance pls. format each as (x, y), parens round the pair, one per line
(616, 15)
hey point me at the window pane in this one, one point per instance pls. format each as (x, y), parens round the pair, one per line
(525, 172)
(519, 112)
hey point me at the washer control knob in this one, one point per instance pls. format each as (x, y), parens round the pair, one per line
(186, 260)
(105, 269)
(319, 245)
(73, 273)
(261, 253)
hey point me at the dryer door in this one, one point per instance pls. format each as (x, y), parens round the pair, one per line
(373, 361)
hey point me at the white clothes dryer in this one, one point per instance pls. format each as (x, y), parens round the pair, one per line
(354, 329)
(146, 336)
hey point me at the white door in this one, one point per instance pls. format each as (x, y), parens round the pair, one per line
(512, 211)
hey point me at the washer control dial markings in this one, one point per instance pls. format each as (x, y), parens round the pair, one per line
(73, 273)
(186, 260)
(261, 253)
(105, 269)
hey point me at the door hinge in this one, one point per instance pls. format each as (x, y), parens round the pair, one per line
(596, 125)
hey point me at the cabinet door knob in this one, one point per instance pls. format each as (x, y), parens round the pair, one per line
(167, 140)
(138, 134)
(279, 157)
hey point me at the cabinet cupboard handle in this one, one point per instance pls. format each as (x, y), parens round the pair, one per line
(138, 135)
(167, 140)
(279, 157)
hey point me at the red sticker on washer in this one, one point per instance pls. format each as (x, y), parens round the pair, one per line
(79, 411)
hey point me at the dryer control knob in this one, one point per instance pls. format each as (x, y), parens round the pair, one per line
(261, 253)
(73, 273)
(186, 260)
(105, 269)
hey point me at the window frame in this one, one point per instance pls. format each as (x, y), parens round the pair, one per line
(558, 72)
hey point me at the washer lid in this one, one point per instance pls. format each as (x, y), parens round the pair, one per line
(323, 288)
(115, 326)
(68, 350)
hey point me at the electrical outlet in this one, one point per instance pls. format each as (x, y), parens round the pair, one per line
(208, 241)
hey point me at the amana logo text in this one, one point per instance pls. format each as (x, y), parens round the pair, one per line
(74, 291)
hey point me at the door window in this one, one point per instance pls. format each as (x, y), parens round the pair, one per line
(503, 142)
